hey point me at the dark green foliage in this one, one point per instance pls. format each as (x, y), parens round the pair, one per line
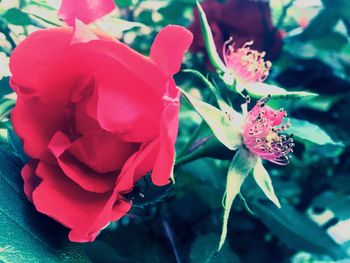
(27, 236)
(183, 221)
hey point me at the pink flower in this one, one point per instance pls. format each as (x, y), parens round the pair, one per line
(261, 133)
(246, 64)
(85, 10)
(254, 23)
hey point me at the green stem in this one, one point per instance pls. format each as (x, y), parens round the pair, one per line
(209, 41)
(189, 143)
(186, 159)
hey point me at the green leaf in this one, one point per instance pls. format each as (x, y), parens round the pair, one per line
(204, 247)
(15, 16)
(209, 41)
(239, 169)
(340, 6)
(322, 24)
(308, 131)
(5, 88)
(117, 25)
(339, 205)
(123, 3)
(26, 235)
(15, 142)
(258, 90)
(296, 230)
(6, 106)
(96, 249)
(137, 242)
(227, 131)
(262, 178)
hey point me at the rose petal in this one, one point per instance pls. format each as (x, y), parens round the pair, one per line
(47, 65)
(81, 174)
(31, 181)
(35, 123)
(83, 122)
(120, 208)
(85, 213)
(164, 163)
(132, 110)
(85, 10)
(103, 152)
(169, 46)
(35, 53)
(137, 166)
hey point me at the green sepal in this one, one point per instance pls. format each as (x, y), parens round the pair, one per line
(262, 178)
(226, 130)
(240, 167)
(258, 90)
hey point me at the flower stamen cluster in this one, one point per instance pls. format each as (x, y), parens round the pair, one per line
(262, 133)
(246, 64)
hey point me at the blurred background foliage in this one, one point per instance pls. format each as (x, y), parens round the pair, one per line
(308, 41)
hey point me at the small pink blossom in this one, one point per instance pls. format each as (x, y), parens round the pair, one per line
(85, 10)
(248, 65)
(262, 133)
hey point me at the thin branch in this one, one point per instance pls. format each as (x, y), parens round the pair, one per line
(7, 33)
(283, 14)
(171, 239)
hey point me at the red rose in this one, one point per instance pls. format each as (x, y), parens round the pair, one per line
(95, 117)
(244, 20)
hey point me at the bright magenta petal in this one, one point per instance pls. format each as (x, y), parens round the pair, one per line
(31, 181)
(164, 163)
(169, 47)
(84, 10)
(79, 172)
(33, 55)
(36, 123)
(35, 64)
(103, 152)
(85, 213)
(132, 110)
(120, 208)
(138, 165)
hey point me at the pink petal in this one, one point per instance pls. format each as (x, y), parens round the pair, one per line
(85, 10)
(35, 64)
(169, 46)
(120, 208)
(137, 166)
(77, 171)
(85, 213)
(31, 181)
(103, 152)
(126, 105)
(36, 123)
(164, 163)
